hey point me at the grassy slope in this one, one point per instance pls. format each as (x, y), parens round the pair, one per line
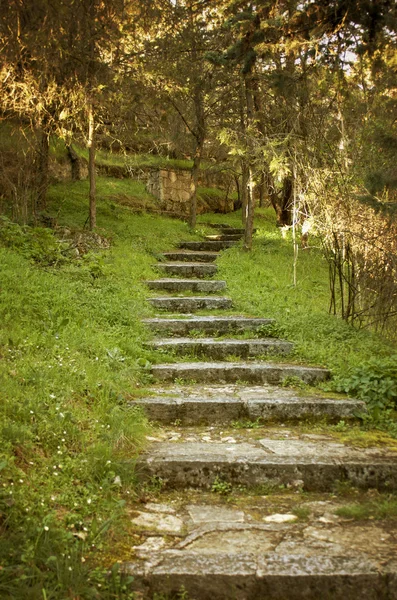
(261, 284)
(71, 345)
(72, 356)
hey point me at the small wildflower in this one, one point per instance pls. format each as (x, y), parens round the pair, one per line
(89, 501)
(46, 528)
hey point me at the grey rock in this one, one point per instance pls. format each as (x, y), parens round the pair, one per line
(206, 324)
(217, 404)
(211, 246)
(225, 237)
(245, 576)
(164, 523)
(221, 349)
(249, 464)
(186, 269)
(214, 514)
(191, 256)
(182, 285)
(231, 372)
(190, 304)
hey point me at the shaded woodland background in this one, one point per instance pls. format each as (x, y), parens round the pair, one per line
(288, 104)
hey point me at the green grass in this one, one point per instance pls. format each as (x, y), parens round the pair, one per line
(72, 357)
(260, 284)
(135, 161)
(376, 509)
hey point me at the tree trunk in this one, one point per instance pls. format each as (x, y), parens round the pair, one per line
(75, 163)
(199, 134)
(193, 188)
(244, 190)
(42, 171)
(91, 166)
(249, 211)
(262, 187)
(282, 202)
(249, 223)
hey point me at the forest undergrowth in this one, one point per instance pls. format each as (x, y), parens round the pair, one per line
(73, 356)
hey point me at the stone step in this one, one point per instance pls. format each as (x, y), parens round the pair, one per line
(244, 576)
(251, 461)
(221, 349)
(257, 549)
(210, 325)
(193, 405)
(191, 256)
(212, 246)
(232, 372)
(187, 269)
(218, 225)
(224, 237)
(182, 285)
(229, 229)
(190, 304)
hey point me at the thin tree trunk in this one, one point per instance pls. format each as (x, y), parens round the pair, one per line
(91, 166)
(75, 163)
(193, 187)
(249, 223)
(43, 168)
(262, 191)
(249, 211)
(244, 190)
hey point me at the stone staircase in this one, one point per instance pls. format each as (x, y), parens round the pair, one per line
(201, 541)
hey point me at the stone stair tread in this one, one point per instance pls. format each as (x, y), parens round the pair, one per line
(252, 372)
(189, 304)
(191, 256)
(247, 459)
(182, 280)
(244, 576)
(191, 405)
(218, 349)
(189, 284)
(219, 342)
(212, 245)
(198, 269)
(207, 324)
(175, 263)
(224, 237)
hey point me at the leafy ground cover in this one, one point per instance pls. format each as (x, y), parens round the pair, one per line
(72, 356)
(260, 283)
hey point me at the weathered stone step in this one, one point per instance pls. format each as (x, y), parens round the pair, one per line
(224, 237)
(219, 404)
(208, 324)
(182, 285)
(221, 349)
(187, 269)
(229, 229)
(317, 465)
(191, 256)
(224, 575)
(231, 372)
(218, 225)
(253, 548)
(212, 246)
(191, 304)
